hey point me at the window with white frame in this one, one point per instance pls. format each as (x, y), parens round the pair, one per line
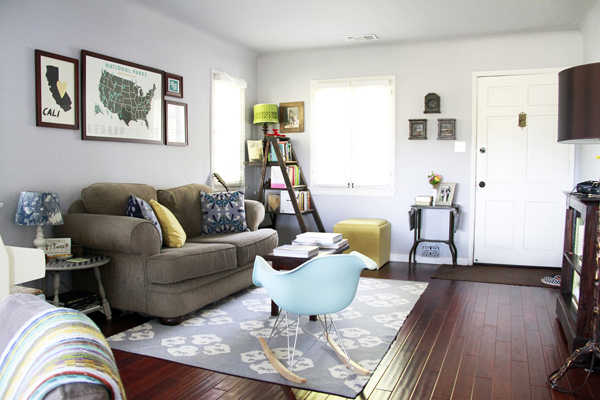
(228, 127)
(352, 136)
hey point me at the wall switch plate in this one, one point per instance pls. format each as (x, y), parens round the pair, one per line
(460, 147)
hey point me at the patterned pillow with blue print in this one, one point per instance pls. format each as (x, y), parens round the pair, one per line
(223, 212)
(138, 208)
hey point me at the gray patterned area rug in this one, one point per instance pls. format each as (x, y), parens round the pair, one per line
(223, 337)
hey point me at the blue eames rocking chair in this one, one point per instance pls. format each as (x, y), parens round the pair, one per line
(320, 286)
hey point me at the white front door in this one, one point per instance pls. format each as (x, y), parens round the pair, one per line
(521, 172)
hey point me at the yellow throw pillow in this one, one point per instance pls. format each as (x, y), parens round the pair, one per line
(173, 233)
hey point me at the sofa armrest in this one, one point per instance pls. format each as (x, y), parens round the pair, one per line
(110, 233)
(255, 213)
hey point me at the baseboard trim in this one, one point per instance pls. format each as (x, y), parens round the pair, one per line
(429, 260)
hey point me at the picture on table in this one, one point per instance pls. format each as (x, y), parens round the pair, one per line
(445, 194)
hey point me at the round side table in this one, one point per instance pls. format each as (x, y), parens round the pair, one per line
(94, 261)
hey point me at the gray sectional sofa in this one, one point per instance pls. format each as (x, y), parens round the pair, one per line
(160, 281)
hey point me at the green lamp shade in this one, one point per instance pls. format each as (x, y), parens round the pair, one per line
(266, 114)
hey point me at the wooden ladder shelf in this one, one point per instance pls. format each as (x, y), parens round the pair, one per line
(272, 142)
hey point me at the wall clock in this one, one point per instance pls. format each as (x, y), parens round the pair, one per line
(432, 103)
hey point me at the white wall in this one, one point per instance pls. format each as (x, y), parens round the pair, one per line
(36, 158)
(589, 166)
(443, 67)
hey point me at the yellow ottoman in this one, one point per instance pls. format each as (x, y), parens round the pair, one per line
(371, 237)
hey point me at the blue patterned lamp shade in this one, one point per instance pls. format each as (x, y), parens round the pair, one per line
(38, 208)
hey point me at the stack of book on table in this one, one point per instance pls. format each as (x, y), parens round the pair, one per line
(324, 240)
(76, 299)
(292, 250)
(423, 200)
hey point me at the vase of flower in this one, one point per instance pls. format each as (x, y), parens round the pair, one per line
(434, 181)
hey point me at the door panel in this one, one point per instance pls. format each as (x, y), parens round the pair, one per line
(541, 155)
(501, 162)
(519, 212)
(540, 227)
(499, 232)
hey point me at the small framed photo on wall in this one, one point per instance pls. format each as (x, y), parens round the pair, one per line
(176, 124)
(447, 129)
(417, 129)
(173, 85)
(56, 90)
(291, 117)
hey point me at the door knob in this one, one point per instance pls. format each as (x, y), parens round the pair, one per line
(482, 184)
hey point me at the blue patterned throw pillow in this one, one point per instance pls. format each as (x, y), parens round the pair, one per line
(223, 212)
(138, 208)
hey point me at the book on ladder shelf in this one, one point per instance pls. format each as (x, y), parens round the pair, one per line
(287, 177)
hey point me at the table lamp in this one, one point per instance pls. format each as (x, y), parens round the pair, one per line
(265, 114)
(579, 104)
(37, 209)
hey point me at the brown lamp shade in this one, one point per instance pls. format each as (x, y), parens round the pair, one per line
(579, 104)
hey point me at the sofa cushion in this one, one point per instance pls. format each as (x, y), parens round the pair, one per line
(172, 232)
(138, 208)
(223, 212)
(190, 261)
(248, 244)
(184, 203)
(112, 198)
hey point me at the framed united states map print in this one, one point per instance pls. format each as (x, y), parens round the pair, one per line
(56, 90)
(122, 101)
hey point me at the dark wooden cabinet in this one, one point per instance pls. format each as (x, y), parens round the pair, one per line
(574, 306)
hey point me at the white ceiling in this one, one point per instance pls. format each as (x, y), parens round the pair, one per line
(269, 26)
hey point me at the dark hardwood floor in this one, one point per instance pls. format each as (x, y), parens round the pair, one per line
(463, 340)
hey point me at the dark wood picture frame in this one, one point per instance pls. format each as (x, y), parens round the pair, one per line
(291, 117)
(55, 97)
(447, 129)
(176, 121)
(432, 104)
(417, 129)
(173, 85)
(121, 123)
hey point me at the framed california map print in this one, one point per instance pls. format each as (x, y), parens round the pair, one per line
(56, 90)
(122, 101)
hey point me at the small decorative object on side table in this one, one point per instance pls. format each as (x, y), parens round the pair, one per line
(91, 261)
(434, 181)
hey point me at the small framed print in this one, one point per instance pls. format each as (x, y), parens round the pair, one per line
(176, 126)
(58, 246)
(418, 129)
(291, 117)
(445, 194)
(173, 85)
(446, 129)
(56, 91)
